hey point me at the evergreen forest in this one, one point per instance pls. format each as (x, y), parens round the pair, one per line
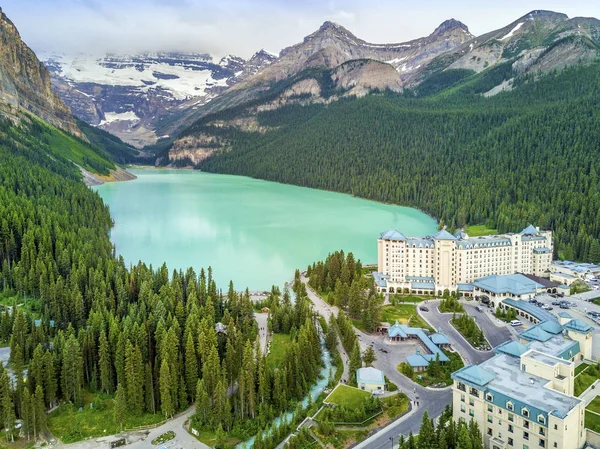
(530, 155)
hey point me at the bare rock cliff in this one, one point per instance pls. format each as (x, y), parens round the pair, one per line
(25, 82)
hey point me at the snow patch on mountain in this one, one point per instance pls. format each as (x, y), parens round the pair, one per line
(512, 32)
(111, 117)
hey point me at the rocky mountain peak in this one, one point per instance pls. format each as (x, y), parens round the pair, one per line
(25, 82)
(330, 29)
(450, 25)
(541, 14)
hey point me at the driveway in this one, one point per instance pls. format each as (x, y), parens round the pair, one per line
(496, 331)
(438, 320)
(263, 330)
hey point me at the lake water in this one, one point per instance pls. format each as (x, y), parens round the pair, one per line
(253, 232)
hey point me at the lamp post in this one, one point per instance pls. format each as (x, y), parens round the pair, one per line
(392, 441)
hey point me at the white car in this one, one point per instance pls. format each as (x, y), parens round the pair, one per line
(546, 307)
(515, 323)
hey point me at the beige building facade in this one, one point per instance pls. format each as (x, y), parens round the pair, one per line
(523, 396)
(443, 261)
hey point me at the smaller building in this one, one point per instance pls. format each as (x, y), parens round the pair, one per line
(433, 345)
(562, 278)
(516, 286)
(575, 269)
(370, 379)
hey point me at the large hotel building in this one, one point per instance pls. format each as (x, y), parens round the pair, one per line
(445, 261)
(523, 397)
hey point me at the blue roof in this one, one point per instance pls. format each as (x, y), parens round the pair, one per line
(439, 339)
(423, 285)
(529, 230)
(403, 331)
(465, 287)
(579, 326)
(460, 234)
(541, 250)
(370, 375)
(552, 327)
(531, 309)
(417, 361)
(513, 348)
(536, 333)
(564, 315)
(443, 235)
(473, 374)
(379, 279)
(392, 235)
(516, 284)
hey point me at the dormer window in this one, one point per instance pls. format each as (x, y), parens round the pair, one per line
(525, 412)
(541, 419)
(489, 397)
(510, 406)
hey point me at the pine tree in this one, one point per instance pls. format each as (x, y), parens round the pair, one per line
(39, 410)
(426, 438)
(203, 403)
(369, 356)
(464, 438)
(72, 370)
(191, 366)
(134, 376)
(355, 362)
(106, 375)
(166, 401)
(120, 409)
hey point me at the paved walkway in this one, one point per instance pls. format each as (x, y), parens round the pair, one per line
(326, 310)
(263, 330)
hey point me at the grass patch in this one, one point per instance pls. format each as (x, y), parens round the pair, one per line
(404, 314)
(594, 405)
(394, 406)
(347, 396)
(583, 381)
(342, 438)
(480, 230)
(164, 437)
(580, 368)
(434, 376)
(69, 424)
(209, 437)
(592, 421)
(277, 349)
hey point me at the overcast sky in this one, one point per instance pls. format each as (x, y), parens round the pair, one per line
(241, 27)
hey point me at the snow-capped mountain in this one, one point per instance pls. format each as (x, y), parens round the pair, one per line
(128, 95)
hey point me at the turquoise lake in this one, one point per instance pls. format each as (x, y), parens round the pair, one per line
(253, 232)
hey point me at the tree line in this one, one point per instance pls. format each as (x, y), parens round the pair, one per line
(519, 157)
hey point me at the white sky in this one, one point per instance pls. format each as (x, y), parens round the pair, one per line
(241, 27)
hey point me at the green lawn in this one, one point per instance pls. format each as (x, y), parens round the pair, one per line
(479, 230)
(580, 368)
(394, 406)
(592, 421)
(277, 349)
(347, 396)
(209, 438)
(594, 405)
(405, 314)
(583, 381)
(68, 424)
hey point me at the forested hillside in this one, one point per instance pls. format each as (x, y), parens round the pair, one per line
(85, 324)
(526, 156)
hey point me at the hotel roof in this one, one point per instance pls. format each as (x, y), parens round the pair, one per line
(513, 348)
(529, 230)
(392, 235)
(579, 326)
(531, 309)
(516, 284)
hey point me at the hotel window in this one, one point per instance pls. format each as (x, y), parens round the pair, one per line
(462, 398)
(489, 397)
(510, 441)
(490, 419)
(542, 431)
(462, 408)
(511, 428)
(489, 431)
(490, 408)
(471, 402)
(542, 443)
(511, 417)
(541, 419)
(471, 412)
(525, 412)
(510, 406)
(525, 435)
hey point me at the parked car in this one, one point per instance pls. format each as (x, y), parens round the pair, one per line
(556, 303)
(593, 313)
(424, 309)
(479, 309)
(573, 304)
(485, 300)
(546, 307)
(564, 305)
(515, 323)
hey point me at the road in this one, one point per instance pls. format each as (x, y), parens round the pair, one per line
(496, 331)
(325, 310)
(441, 321)
(263, 330)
